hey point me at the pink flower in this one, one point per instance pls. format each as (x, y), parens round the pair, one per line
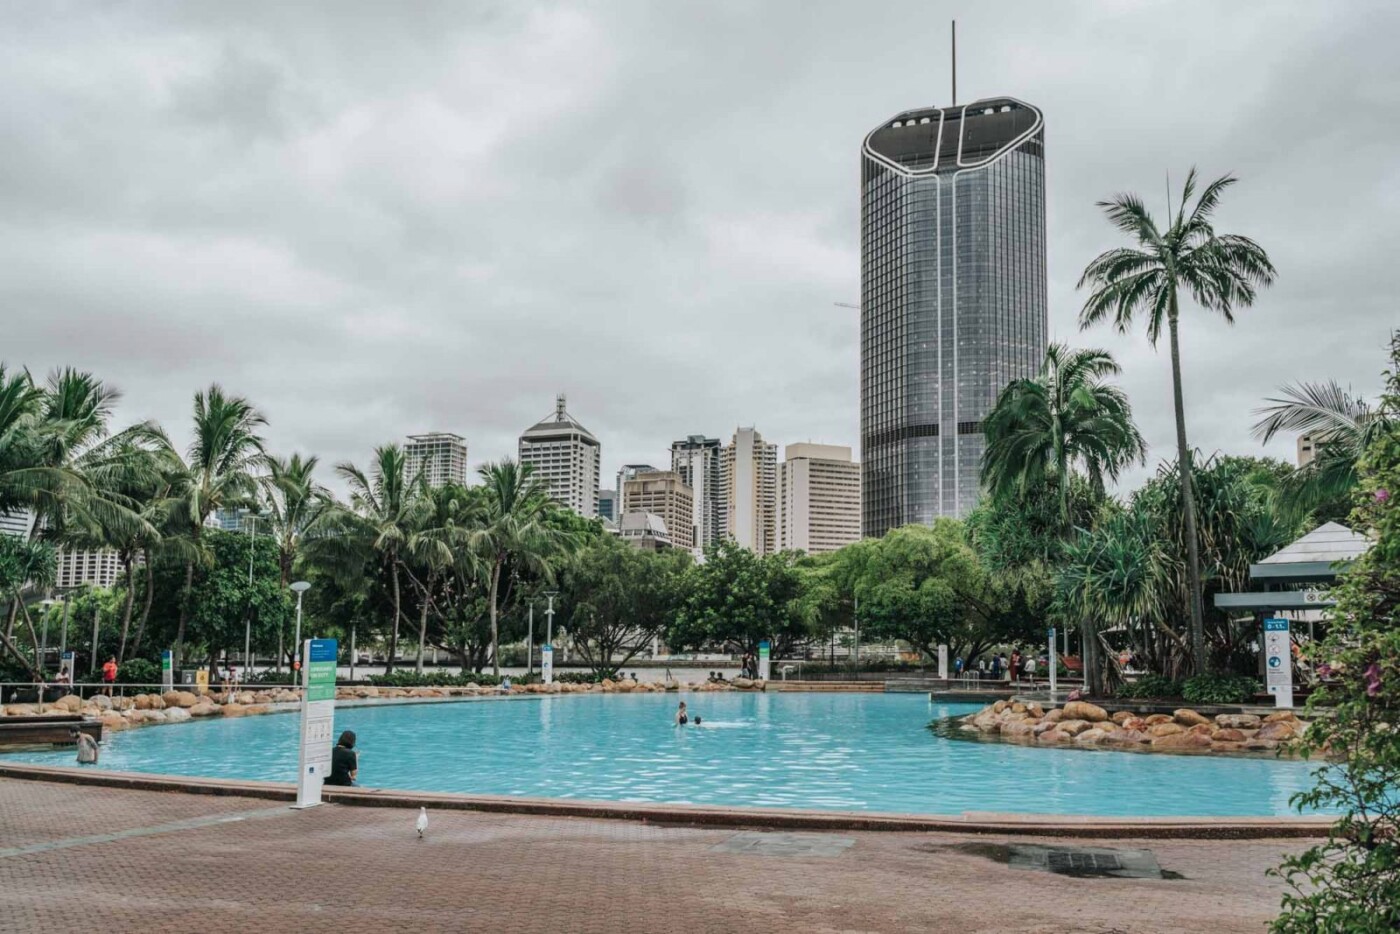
(1324, 670)
(1372, 676)
(1382, 496)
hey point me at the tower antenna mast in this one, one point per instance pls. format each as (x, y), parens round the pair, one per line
(955, 63)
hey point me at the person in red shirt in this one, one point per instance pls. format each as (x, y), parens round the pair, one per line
(109, 675)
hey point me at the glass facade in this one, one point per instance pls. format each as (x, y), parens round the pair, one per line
(953, 298)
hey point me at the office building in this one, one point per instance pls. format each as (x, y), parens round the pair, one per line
(567, 457)
(19, 523)
(663, 493)
(818, 498)
(94, 567)
(629, 472)
(749, 473)
(645, 531)
(607, 505)
(953, 297)
(697, 461)
(1307, 450)
(440, 455)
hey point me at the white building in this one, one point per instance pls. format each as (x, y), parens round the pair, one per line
(662, 493)
(18, 524)
(567, 457)
(697, 461)
(92, 567)
(749, 473)
(818, 498)
(441, 455)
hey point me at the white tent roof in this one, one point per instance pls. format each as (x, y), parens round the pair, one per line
(1328, 543)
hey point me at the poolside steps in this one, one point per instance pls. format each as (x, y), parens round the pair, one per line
(829, 687)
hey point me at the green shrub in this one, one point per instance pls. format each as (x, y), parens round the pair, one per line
(576, 677)
(272, 677)
(139, 671)
(1150, 685)
(1218, 689)
(438, 679)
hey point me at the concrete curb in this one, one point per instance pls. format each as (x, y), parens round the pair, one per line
(976, 822)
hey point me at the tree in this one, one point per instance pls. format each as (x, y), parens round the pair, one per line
(1342, 427)
(1065, 418)
(1351, 881)
(24, 563)
(1221, 272)
(437, 545)
(737, 599)
(513, 525)
(218, 474)
(615, 599)
(385, 507)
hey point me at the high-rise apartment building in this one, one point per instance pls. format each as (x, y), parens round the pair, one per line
(567, 457)
(697, 461)
(818, 498)
(93, 567)
(663, 493)
(440, 455)
(1307, 450)
(953, 297)
(629, 472)
(19, 523)
(749, 473)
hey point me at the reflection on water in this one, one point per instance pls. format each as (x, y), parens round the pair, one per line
(851, 751)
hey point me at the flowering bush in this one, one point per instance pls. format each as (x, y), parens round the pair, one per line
(1351, 882)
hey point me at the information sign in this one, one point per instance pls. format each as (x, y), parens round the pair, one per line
(763, 662)
(317, 720)
(67, 665)
(167, 670)
(943, 663)
(1278, 661)
(1054, 662)
(547, 663)
(201, 680)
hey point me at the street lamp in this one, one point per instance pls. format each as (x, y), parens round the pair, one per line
(253, 518)
(299, 588)
(44, 637)
(549, 633)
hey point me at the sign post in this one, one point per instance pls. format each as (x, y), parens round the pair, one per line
(201, 680)
(167, 671)
(317, 720)
(943, 663)
(67, 665)
(547, 663)
(1053, 660)
(763, 662)
(1278, 659)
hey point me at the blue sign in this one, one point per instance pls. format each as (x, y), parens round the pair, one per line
(322, 650)
(1275, 661)
(1274, 624)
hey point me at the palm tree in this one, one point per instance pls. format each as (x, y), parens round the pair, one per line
(438, 545)
(385, 507)
(295, 505)
(1341, 426)
(1066, 417)
(218, 474)
(513, 527)
(1220, 272)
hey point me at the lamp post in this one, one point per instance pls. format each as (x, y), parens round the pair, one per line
(549, 632)
(63, 639)
(248, 620)
(299, 588)
(44, 634)
(530, 644)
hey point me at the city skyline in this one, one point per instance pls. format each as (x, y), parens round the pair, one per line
(343, 276)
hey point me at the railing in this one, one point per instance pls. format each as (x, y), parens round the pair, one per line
(56, 689)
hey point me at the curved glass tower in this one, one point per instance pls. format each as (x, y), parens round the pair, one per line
(953, 300)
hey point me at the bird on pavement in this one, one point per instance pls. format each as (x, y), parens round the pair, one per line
(422, 822)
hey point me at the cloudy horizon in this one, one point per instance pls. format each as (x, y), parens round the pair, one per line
(376, 221)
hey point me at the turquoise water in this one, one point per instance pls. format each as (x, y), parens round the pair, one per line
(829, 751)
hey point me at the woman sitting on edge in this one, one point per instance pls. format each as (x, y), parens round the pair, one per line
(345, 761)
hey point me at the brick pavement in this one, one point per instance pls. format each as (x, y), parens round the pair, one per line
(351, 869)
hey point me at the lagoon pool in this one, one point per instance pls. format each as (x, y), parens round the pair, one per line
(824, 751)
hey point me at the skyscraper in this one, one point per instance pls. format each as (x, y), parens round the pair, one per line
(566, 456)
(697, 460)
(818, 498)
(953, 304)
(441, 455)
(662, 493)
(749, 473)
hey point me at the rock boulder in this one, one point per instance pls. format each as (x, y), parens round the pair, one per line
(1238, 721)
(1083, 710)
(1188, 717)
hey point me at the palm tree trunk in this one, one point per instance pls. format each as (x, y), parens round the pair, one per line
(495, 632)
(1188, 503)
(10, 624)
(184, 612)
(130, 603)
(394, 633)
(19, 656)
(146, 604)
(423, 622)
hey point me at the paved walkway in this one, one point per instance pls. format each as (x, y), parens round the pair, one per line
(88, 858)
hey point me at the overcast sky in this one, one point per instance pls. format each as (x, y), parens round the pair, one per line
(375, 219)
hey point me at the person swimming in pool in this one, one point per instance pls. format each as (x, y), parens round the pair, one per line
(682, 717)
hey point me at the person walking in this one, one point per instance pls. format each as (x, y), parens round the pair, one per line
(1014, 674)
(109, 675)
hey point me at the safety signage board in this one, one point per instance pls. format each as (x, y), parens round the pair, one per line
(167, 670)
(317, 720)
(547, 663)
(1278, 661)
(763, 661)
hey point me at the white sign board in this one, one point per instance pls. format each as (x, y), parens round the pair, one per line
(317, 720)
(943, 662)
(1278, 661)
(764, 662)
(547, 663)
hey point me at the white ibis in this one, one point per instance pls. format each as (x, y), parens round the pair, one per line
(422, 822)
